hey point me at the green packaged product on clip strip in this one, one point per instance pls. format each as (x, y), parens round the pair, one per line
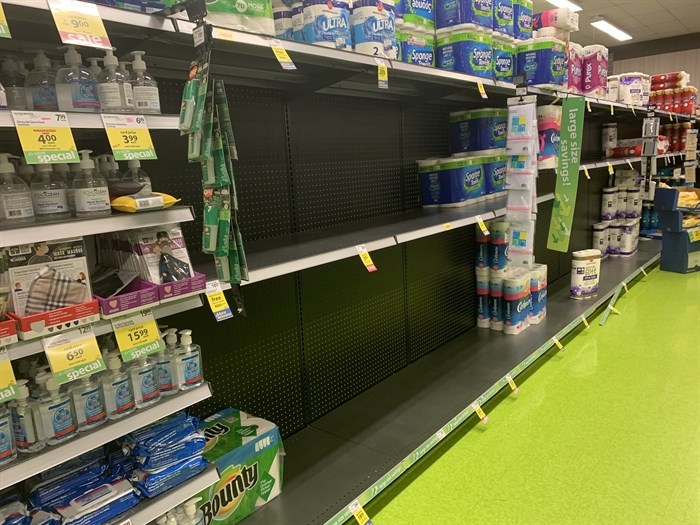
(225, 117)
(221, 171)
(211, 228)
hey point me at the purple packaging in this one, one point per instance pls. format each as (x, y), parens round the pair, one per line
(182, 288)
(137, 295)
(595, 71)
(574, 53)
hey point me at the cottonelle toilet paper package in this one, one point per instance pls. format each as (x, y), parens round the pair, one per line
(248, 453)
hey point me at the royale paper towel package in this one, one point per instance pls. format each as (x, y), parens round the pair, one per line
(248, 453)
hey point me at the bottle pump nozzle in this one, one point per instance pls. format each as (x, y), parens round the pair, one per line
(185, 337)
(138, 64)
(73, 58)
(86, 163)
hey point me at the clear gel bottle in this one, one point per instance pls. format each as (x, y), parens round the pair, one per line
(49, 194)
(15, 198)
(188, 362)
(13, 82)
(107, 170)
(40, 85)
(8, 451)
(165, 365)
(94, 66)
(116, 93)
(146, 96)
(89, 402)
(90, 190)
(76, 86)
(38, 389)
(118, 390)
(26, 421)
(145, 379)
(136, 174)
(57, 414)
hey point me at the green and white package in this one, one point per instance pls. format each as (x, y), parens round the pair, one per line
(254, 16)
(248, 452)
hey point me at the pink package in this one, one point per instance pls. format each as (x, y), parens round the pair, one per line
(595, 71)
(574, 54)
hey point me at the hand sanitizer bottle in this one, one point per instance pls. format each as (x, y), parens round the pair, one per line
(136, 174)
(165, 365)
(8, 451)
(26, 421)
(15, 199)
(14, 84)
(107, 168)
(25, 171)
(118, 389)
(57, 414)
(89, 402)
(116, 94)
(40, 85)
(188, 362)
(38, 390)
(76, 86)
(49, 194)
(146, 97)
(145, 380)
(90, 190)
(94, 67)
(193, 516)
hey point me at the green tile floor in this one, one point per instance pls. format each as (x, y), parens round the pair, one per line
(606, 432)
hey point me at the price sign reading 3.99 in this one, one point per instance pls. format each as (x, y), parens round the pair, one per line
(129, 137)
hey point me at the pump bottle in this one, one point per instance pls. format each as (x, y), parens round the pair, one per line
(107, 169)
(76, 86)
(15, 198)
(136, 174)
(116, 94)
(118, 389)
(57, 414)
(146, 97)
(94, 67)
(188, 362)
(8, 451)
(40, 85)
(25, 171)
(165, 365)
(90, 190)
(193, 516)
(26, 421)
(49, 194)
(145, 379)
(89, 403)
(38, 390)
(13, 82)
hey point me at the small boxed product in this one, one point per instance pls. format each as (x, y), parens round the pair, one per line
(248, 453)
(120, 292)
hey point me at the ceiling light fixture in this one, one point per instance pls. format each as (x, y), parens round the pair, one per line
(607, 27)
(566, 4)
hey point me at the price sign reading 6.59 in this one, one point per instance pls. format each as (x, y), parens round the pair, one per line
(73, 354)
(129, 137)
(137, 335)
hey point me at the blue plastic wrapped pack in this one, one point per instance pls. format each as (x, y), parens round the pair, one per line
(100, 504)
(154, 429)
(153, 483)
(170, 435)
(83, 461)
(15, 513)
(121, 463)
(161, 457)
(44, 517)
(60, 491)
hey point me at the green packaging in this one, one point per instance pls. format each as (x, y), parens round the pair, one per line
(211, 228)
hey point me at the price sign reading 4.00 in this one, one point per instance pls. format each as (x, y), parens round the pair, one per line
(137, 335)
(45, 136)
(129, 137)
(73, 354)
(79, 23)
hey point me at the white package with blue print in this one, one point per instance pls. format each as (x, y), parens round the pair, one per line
(150, 484)
(373, 23)
(327, 23)
(14, 513)
(101, 504)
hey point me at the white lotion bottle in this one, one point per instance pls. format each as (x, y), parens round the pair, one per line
(188, 362)
(27, 426)
(89, 402)
(8, 451)
(90, 190)
(49, 194)
(116, 94)
(57, 414)
(146, 96)
(76, 86)
(15, 198)
(40, 85)
(145, 379)
(118, 390)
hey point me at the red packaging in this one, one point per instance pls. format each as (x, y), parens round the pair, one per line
(677, 93)
(674, 138)
(675, 76)
(667, 100)
(653, 97)
(666, 85)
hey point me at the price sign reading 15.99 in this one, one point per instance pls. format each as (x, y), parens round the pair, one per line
(79, 23)
(73, 354)
(129, 137)
(137, 335)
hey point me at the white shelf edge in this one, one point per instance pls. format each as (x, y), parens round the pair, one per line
(149, 509)
(22, 469)
(94, 121)
(22, 348)
(116, 222)
(440, 228)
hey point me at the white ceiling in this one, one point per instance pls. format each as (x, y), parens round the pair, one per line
(643, 19)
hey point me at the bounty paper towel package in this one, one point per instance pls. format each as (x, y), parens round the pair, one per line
(248, 454)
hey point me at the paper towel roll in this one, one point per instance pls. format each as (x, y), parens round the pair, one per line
(373, 24)
(282, 15)
(548, 130)
(562, 18)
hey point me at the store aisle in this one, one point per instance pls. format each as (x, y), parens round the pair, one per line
(606, 432)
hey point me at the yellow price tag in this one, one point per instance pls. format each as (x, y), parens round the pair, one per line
(359, 513)
(79, 23)
(588, 105)
(585, 172)
(512, 384)
(366, 259)
(137, 335)
(482, 90)
(482, 225)
(129, 137)
(556, 342)
(480, 413)
(629, 163)
(281, 55)
(645, 273)
(223, 34)
(694, 234)
(555, 101)
(612, 109)
(624, 285)
(217, 301)
(4, 28)
(382, 74)
(8, 388)
(633, 112)
(611, 170)
(46, 137)
(447, 226)
(614, 310)
(73, 354)
(585, 322)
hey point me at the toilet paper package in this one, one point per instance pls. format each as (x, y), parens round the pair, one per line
(503, 17)
(548, 129)
(456, 12)
(496, 300)
(327, 23)
(298, 21)
(469, 52)
(481, 259)
(498, 244)
(543, 62)
(503, 59)
(416, 48)
(480, 130)
(254, 17)
(282, 16)
(574, 79)
(373, 31)
(631, 87)
(522, 19)
(634, 203)
(595, 71)
(516, 301)
(614, 238)
(416, 15)
(248, 453)
(601, 238)
(483, 313)
(538, 293)
(629, 234)
(621, 203)
(561, 18)
(552, 32)
(585, 274)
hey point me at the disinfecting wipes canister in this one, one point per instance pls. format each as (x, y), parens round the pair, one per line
(373, 24)
(327, 23)
(585, 274)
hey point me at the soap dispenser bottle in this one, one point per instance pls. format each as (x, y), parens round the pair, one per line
(13, 82)
(89, 402)
(8, 451)
(116, 94)
(188, 362)
(136, 174)
(90, 190)
(38, 389)
(165, 364)
(57, 414)
(26, 421)
(193, 516)
(40, 85)
(49, 194)
(107, 168)
(94, 67)
(76, 86)
(118, 390)
(25, 171)
(145, 379)
(15, 198)
(146, 97)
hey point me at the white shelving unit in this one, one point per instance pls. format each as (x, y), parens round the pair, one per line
(26, 466)
(94, 121)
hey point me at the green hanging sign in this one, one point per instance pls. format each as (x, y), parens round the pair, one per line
(567, 174)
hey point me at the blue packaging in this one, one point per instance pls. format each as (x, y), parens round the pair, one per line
(327, 23)
(282, 17)
(418, 12)
(101, 504)
(522, 19)
(466, 52)
(451, 181)
(169, 434)
(143, 434)
(298, 21)
(59, 492)
(14, 513)
(416, 49)
(373, 28)
(455, 12)
(44, 517)
(543, 61)
(478, 130)
(503, 60)
(495, 174)
(150, 484)
(503, 16)
(82, 462)
(171, 453)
